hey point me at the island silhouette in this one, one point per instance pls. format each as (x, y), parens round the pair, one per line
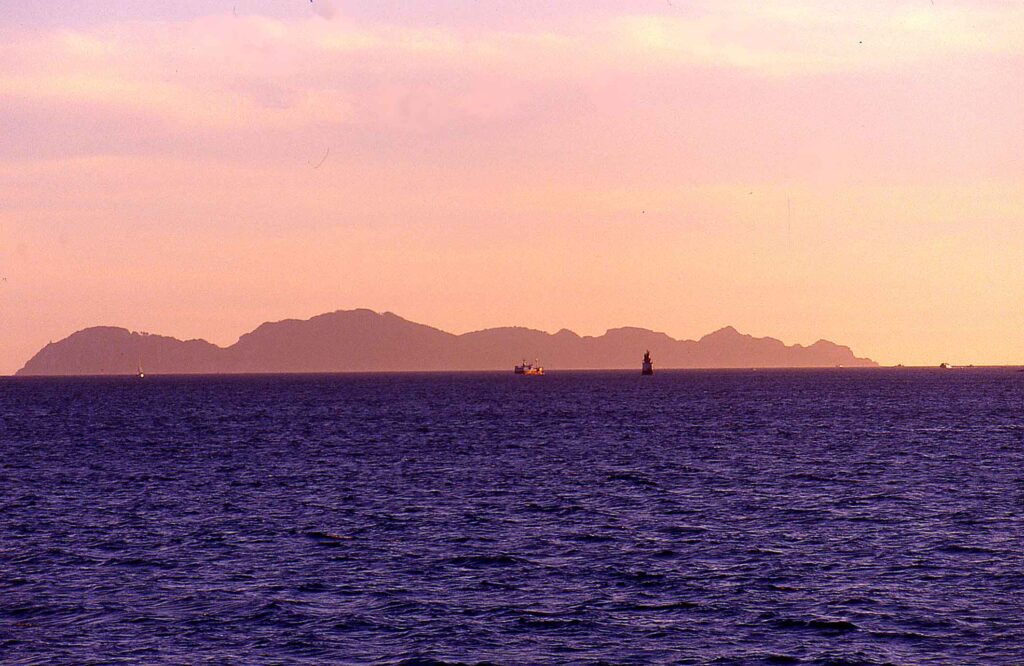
(367, 341)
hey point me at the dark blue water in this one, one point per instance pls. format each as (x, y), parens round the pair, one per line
(832, 517)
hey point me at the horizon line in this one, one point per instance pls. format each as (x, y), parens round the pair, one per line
(822, 368)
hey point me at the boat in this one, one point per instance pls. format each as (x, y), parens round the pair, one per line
(140, 373)
(648, 367)
(529, 369)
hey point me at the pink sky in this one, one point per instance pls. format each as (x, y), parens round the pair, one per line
(846, 170)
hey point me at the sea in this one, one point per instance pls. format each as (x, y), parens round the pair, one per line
(871, 516)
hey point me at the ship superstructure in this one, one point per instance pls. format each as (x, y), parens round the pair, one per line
(529, 368)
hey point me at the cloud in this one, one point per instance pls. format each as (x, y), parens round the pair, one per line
(224, 70)
(852, 85)
(793, 39)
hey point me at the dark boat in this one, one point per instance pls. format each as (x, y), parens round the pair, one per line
(648, 367)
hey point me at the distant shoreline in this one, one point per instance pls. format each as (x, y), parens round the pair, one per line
(549, 371)
(367, 341)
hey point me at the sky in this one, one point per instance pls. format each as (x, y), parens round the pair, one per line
(850, 170)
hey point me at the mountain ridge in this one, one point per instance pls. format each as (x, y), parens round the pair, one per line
(367, 341)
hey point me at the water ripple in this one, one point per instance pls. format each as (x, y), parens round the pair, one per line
(811, 517)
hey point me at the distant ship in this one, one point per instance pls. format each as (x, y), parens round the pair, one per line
(529, 369)
(648, 367)
(141, 374)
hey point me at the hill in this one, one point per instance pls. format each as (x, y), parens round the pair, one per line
(367, 341)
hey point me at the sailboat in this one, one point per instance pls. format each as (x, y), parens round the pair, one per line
(141, 374)
(648, 366)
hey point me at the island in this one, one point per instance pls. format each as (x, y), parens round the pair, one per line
(367, 341)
